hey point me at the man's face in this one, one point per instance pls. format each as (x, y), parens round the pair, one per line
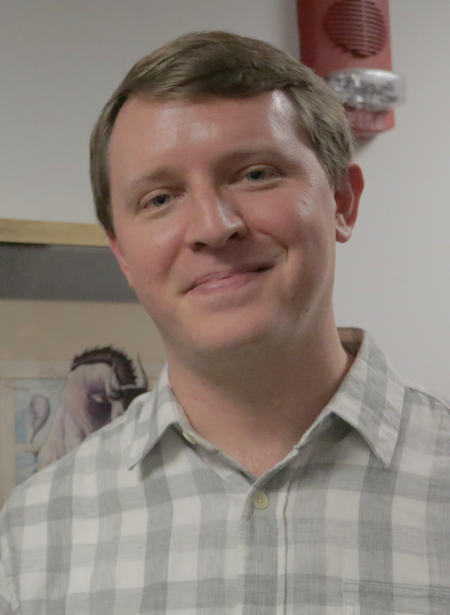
(225, 221)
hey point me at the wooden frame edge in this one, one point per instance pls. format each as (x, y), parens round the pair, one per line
(62, 233)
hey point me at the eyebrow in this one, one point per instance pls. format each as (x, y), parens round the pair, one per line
(157, 175)
(258, 149)
(166, 174)
(275, 155)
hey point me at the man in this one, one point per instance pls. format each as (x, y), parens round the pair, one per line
(277, 467)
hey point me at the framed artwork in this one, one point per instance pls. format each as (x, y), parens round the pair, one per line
(75, 344)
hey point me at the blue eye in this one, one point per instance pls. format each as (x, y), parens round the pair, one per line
(160, 200)
(257, 174)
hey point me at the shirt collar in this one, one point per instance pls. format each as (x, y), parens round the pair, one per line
(152, 414)
(370, 399)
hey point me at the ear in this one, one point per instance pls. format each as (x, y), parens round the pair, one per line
(117, 250)
(346, 195)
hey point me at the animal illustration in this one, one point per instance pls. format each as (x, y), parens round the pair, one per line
(100, 386)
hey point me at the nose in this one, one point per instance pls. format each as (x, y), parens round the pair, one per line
(214, 221)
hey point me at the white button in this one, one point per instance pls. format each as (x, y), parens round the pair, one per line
(260, 500)
(187, 436)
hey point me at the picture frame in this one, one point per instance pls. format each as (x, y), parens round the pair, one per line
(63, 300)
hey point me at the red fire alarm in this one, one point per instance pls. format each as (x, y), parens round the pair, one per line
(348, 43)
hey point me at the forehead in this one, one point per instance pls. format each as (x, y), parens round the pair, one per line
(272, 102)
(155, 127)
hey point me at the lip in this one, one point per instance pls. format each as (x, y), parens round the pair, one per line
(218, 276)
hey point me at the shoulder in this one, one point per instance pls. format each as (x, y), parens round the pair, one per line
(102, 455)
(64, 503)
(431, 404)
(425, 428)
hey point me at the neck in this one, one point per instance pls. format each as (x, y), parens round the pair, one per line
(255, 406)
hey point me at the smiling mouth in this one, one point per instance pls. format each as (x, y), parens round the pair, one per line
(227, 278)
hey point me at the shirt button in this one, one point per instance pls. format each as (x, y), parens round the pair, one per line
(260, 500)
(187, 436)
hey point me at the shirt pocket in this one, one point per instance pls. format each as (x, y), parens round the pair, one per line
(368, 598)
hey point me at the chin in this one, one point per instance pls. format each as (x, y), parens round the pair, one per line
(232, 342)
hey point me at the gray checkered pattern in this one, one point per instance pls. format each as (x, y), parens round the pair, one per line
(147, 517)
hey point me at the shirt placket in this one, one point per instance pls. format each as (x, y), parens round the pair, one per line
(262, 547)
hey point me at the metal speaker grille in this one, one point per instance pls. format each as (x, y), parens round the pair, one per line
(357, 27)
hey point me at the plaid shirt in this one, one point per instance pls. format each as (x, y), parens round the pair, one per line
(147, 517)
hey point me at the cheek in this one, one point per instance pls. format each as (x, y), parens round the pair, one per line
(151, 251)
(315, 217)
(291, 221)
(305, 228)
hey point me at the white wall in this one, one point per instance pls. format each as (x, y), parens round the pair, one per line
(61, 60)
(394, 276)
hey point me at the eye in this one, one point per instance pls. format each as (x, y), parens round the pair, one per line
(257, 174)
(155, 201)
(160, 199)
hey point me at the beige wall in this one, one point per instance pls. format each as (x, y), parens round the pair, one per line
(57, 330)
